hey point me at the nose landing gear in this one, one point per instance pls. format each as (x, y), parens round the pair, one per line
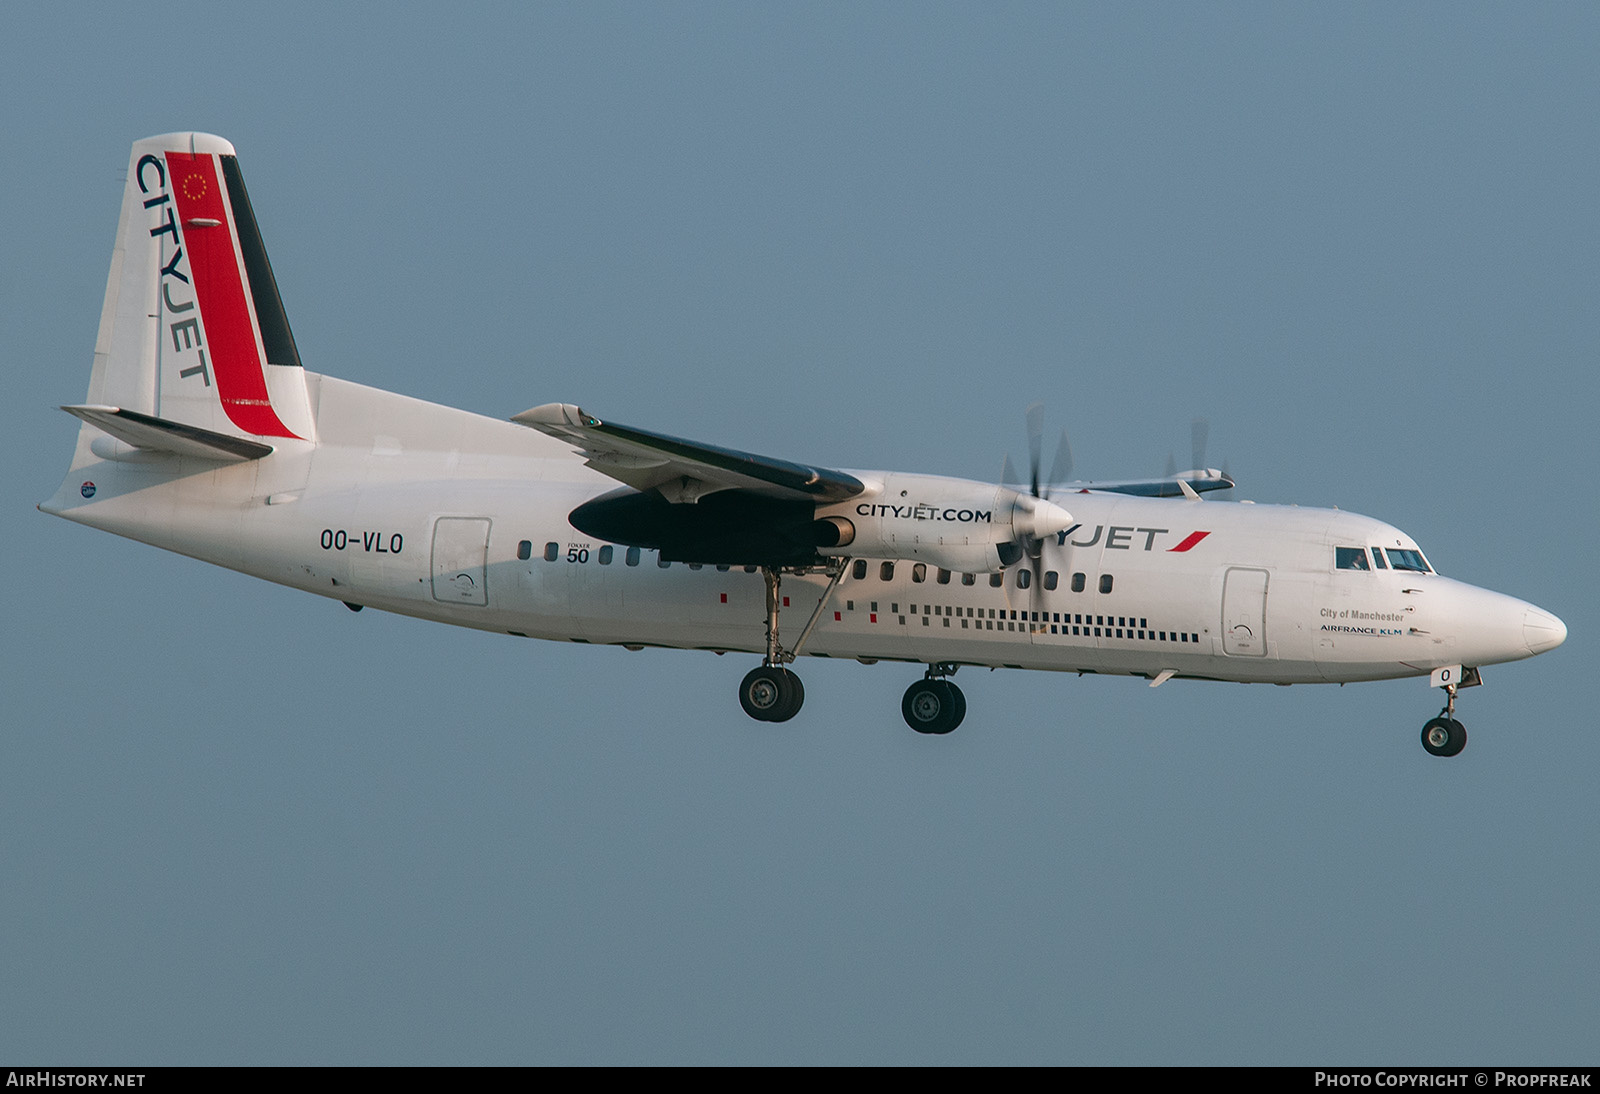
(1444, 736)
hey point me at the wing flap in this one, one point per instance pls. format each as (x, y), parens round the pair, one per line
(684, 470)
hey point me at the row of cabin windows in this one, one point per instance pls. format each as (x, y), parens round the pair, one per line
(919, 574)
(919, 570)
(1066, 623)
(605, 554)
(552, 553)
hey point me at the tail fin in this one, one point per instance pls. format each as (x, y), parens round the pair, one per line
(193, 331)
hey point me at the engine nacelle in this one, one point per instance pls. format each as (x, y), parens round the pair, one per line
(955, 524)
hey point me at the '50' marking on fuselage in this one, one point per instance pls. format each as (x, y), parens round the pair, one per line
(375, 543)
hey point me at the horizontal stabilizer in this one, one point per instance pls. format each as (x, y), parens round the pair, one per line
(159, 435)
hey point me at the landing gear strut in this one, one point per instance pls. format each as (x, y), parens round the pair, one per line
(772, 693)
(934, 704)
(1444, 736)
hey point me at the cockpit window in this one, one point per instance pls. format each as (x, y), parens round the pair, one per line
(1351, 558)
(1377, 558)
(1408, 560)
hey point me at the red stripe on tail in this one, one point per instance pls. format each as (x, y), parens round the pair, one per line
(230, 330)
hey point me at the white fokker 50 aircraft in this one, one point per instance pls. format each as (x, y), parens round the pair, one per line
(202, 434)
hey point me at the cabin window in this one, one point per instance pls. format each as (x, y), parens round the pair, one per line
(944, 576)
(605, 554)
(859, 570)
(886, 571)
(632, 557)
(1050, 579)
(1078, 583)
(919, 573)
(723, 567)
(663, 563)
(1409, 560)
(996, 580)
(552, 551)
(1351, 558)
(525, 550)
(969, 579)
(1105, 583)
(697, 565)
(1024, 578)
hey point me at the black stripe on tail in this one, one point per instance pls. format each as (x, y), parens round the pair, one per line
(276, 338)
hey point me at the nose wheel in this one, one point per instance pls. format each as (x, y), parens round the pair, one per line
(1444, 736)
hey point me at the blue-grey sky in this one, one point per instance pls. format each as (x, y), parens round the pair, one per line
(239, 824)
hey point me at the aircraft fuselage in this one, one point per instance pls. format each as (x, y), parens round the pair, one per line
(434, 521)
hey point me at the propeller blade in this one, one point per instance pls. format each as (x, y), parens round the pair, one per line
(1061, 470)
(1172, 465)
(1035, 518)
(1199, 430)
(1035, 418)
(1045, 515)
(1036, 587)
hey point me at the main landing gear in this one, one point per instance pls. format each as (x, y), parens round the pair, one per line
(772, 693)
(934, 704)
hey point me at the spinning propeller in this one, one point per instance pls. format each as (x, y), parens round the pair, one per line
(1032, 534)
(1031, 538)
(1199, 431)
(1035, 516)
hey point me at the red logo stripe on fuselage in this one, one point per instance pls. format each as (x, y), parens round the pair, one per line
(1188, 541)
(230, 330)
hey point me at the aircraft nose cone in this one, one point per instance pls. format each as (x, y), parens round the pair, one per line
(1542, 630)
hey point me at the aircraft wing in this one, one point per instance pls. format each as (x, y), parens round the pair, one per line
(684, 471)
